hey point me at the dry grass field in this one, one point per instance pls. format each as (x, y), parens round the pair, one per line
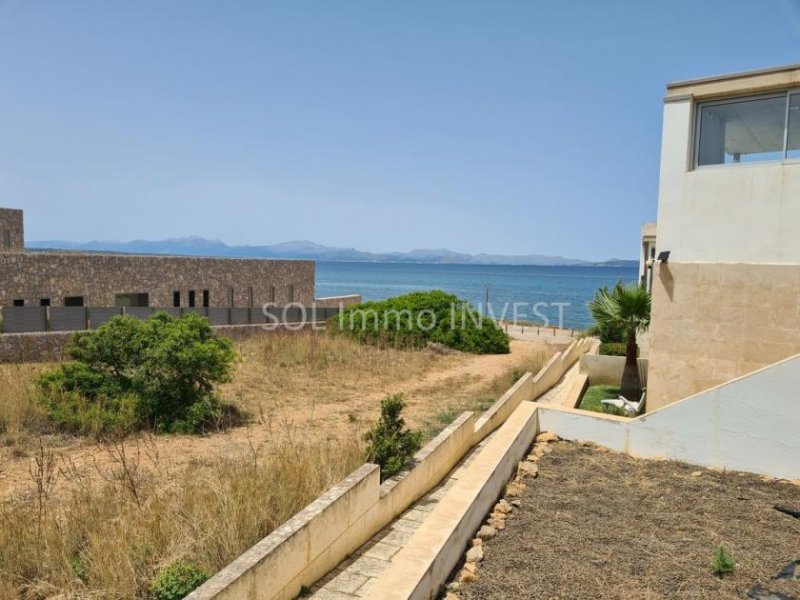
(99, 519)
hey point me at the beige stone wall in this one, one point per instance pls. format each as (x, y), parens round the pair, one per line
(12, 238)
(100, 277)
(712, 322)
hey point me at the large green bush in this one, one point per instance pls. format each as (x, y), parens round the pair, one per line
(131, 374)
(417, 319)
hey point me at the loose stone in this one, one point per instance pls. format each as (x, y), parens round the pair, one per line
(475, 554)
(547, 436)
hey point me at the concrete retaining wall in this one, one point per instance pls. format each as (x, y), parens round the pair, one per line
(422, 565)
(323, 534)
(308, 544)
(280, 564)
(607, 370)
(748, 424)
(530, 387)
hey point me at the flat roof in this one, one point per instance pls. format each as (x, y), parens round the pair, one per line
(729, 76)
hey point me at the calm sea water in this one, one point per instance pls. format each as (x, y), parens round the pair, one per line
(573, 287)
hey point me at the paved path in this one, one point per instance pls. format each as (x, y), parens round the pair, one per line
(541, 334)
(557, 393)
(354, 577)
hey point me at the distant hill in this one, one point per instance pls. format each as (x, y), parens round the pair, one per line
(198, 246)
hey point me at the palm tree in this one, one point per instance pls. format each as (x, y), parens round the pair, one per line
(627, 309)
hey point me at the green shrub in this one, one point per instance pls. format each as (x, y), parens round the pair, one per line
(131, 374)
(417, 319)
(391, 445)
(723, 562)
(608, 332)
(177, 581)
(615, 349)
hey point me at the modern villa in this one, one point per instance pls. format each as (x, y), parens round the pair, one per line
(726, 297)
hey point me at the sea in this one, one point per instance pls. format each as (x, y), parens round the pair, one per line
(555, 296)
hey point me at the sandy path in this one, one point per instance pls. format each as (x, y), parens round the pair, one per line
(321, 420)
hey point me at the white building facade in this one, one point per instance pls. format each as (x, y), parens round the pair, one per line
(727, 302)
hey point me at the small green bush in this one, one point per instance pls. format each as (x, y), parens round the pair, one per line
(723, 562)
(615, 349)
(608, 332)
(131, 374)
(391, 445)
(417, 319)
(177, 581)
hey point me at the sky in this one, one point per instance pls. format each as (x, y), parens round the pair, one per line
(508, 127)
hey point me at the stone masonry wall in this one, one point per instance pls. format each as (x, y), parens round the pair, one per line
(12, 238)
(337, 301)
(98, 278)
(712, 322)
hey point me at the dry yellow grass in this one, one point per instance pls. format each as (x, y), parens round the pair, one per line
(110, 534)
(307, 370)
(98, 521)
(20, 414)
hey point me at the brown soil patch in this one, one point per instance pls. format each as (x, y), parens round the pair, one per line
(604, 525)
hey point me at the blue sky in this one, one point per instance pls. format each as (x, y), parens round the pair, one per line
(495, 126)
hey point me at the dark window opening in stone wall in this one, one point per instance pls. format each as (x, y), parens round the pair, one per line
(176, 299)
(191, 298)
(132, 300)
(291, 293)
(19, 302)
(44, 302)
(73, 301)
(206, 298)
(250, 296)
(272, 293)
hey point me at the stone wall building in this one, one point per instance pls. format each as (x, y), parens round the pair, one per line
(12, 238)
(36, 278)
(727, 300)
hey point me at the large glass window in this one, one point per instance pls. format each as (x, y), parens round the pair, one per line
(793, 137)
(742, 130)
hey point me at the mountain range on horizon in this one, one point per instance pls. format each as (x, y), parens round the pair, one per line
(199, 246)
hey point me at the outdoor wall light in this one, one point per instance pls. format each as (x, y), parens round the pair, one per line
(663, 256)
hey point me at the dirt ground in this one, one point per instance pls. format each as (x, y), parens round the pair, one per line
(603, 525)
(334, 398)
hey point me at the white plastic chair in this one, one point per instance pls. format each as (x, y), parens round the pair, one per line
(630, 408)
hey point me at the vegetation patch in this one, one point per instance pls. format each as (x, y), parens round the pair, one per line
(421, 318)
(129, 374)
(594, 396)
(620, 314)
(113, 536)
(613, 349)
(723, 562)
(391, 445)
(177, 581)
